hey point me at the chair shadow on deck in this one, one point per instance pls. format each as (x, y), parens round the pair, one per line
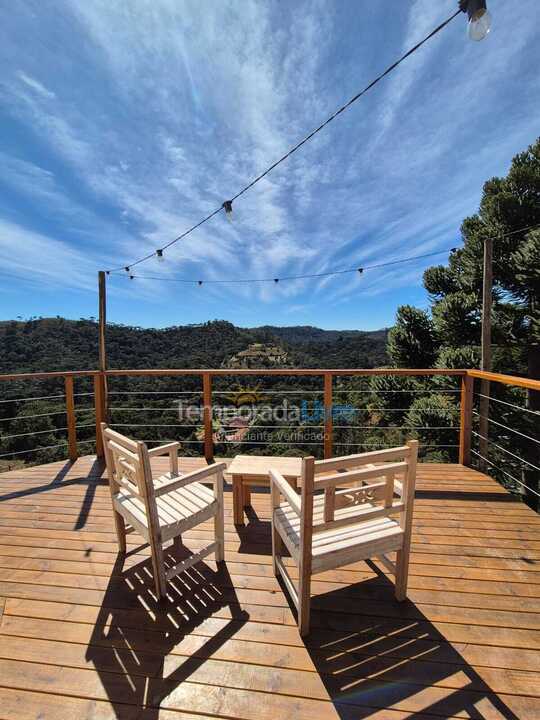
(133, 643)
(375, 654)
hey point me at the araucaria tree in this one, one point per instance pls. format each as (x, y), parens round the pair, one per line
(509, 212)
(449, 334)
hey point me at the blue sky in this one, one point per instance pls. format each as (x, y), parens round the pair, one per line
(124, 123)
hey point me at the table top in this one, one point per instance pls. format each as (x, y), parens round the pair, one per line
(254, 465)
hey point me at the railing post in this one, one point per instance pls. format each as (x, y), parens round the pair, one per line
(101, 410)
(207, 417)
(465, 429)
(483, 424)
(71, 423)
(328, 416)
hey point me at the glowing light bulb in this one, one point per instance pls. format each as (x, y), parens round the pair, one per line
(159, 255)
(479, 25)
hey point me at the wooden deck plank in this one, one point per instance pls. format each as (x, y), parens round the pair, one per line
(82, 636)
(422, 577)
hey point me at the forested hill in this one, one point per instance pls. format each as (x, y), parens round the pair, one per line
(48, 344)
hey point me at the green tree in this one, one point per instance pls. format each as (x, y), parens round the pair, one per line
(509, 212)
(411, 342)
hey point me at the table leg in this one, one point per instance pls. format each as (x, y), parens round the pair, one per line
(247, 496)
(238, 500)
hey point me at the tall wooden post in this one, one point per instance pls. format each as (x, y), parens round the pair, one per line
(102, 321)
(100, 383)
(485, 364)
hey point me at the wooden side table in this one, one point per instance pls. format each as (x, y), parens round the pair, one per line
(252, 470)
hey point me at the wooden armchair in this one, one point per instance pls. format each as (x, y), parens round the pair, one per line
(161, 509)
(329, 525)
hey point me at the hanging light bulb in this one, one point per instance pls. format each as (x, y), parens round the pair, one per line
(479, 23)
(227, 206)
(159, 255)
(360, 270)
(131, 277)
(126, 269)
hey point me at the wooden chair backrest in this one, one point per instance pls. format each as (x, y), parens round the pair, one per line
(128, 465)
(356, 480)
(123, 460)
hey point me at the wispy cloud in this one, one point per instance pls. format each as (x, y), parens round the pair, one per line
(35, 85)
(146, 116)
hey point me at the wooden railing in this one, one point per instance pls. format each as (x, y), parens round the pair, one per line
(100, 381)
(69, 402)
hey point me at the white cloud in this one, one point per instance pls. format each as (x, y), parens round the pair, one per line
(35, 85)
(40, 257)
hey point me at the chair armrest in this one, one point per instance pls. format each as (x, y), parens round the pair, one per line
(277, 479)
(194, 476)
(164, 449)
(171, 449)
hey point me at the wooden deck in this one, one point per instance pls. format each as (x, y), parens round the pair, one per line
(82, 637)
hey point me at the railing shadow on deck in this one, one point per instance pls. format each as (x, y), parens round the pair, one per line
(134, 637)
(91, 478)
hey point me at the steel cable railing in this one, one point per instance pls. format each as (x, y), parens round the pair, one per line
(386, 407)
(34, 421)
(506, 473)
(130, 415)
(504, 433)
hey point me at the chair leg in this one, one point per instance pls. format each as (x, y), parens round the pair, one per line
(120, 527)
(277, 548)
(402, 574)
(177, 542)
(160, 581)
(304, 604)
(219, 531)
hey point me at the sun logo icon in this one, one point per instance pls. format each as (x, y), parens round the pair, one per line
(245, 395)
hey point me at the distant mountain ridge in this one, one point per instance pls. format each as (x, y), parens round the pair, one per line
(48, 344)
(309, 333)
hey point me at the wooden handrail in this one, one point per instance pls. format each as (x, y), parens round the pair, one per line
(285, 371)
(515, 380)
(353, 372)
(47, 375)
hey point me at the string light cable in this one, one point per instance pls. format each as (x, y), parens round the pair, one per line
(344, 271)
(227, 205)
